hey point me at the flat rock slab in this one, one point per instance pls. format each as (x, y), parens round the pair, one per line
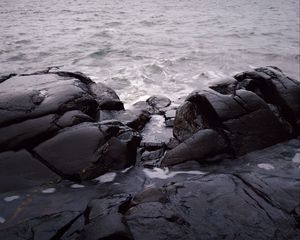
(20, 170)
(253, 197)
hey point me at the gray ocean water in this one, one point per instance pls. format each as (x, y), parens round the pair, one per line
(141, 48)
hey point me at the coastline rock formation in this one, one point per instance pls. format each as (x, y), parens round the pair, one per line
(74, 164)
(259, 110)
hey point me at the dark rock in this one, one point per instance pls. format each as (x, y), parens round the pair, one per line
(150, 194)
(277, 89)
(143, 105)
(38, 95)
(31, 132)
(245, 134)
(241, 199)
(152, 158)
(134, 118)
(235, 116)
(43, 228)
(71, 118)
(20, 170)
(88, 150)
(106, 97)
(158, 102)
(105, 206)
(116, 154)
(108, 227)
(151, 146)
(78, 75)
(73, 150)
(172, 143)
(201, 145)
(152, 155)
(185, 121)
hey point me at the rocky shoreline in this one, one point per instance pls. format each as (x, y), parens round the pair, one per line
(60, 127)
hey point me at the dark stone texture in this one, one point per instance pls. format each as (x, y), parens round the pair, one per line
(32, 96)
(43, 228)
(106, 97)
(158, 103)
(49, 119)
(36, 110)
(110, 227)
(234, 116)
(87, 150)
(134, 118)
(277, 89)
(200, 146)
(185, 121)
(73, 149)
(20, 170)
(233, 200)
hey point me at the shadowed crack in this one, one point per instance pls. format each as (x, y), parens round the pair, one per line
(65, 228)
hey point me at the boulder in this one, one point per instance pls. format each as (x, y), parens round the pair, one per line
(185, 121)
(235, 116)
(88, 150)
(34, 107)
(106, 97)
(272, 85)
(134, 118)
(32, 96)
(158, 103)
(200, 146)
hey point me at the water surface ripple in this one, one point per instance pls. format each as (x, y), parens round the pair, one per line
(141, 47)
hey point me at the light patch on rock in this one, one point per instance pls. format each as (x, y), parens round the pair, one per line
(107, 177)
(77, 186)
(266, 166)
(2, 220)
(11, 198)
(49, 190)
(164, 173)
(126, 169)
(296, 158)
(43, 93)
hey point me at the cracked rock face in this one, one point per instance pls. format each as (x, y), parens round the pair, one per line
(238, 199)
(74, 164)
(260, 109)
(48, 116)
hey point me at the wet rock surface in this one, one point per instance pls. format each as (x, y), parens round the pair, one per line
(255, 196)
(74, 164)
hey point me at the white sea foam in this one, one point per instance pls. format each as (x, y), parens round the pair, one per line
(11, 198)
(164, 173)
(107, 177)
(48, 190)
(266, 166)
